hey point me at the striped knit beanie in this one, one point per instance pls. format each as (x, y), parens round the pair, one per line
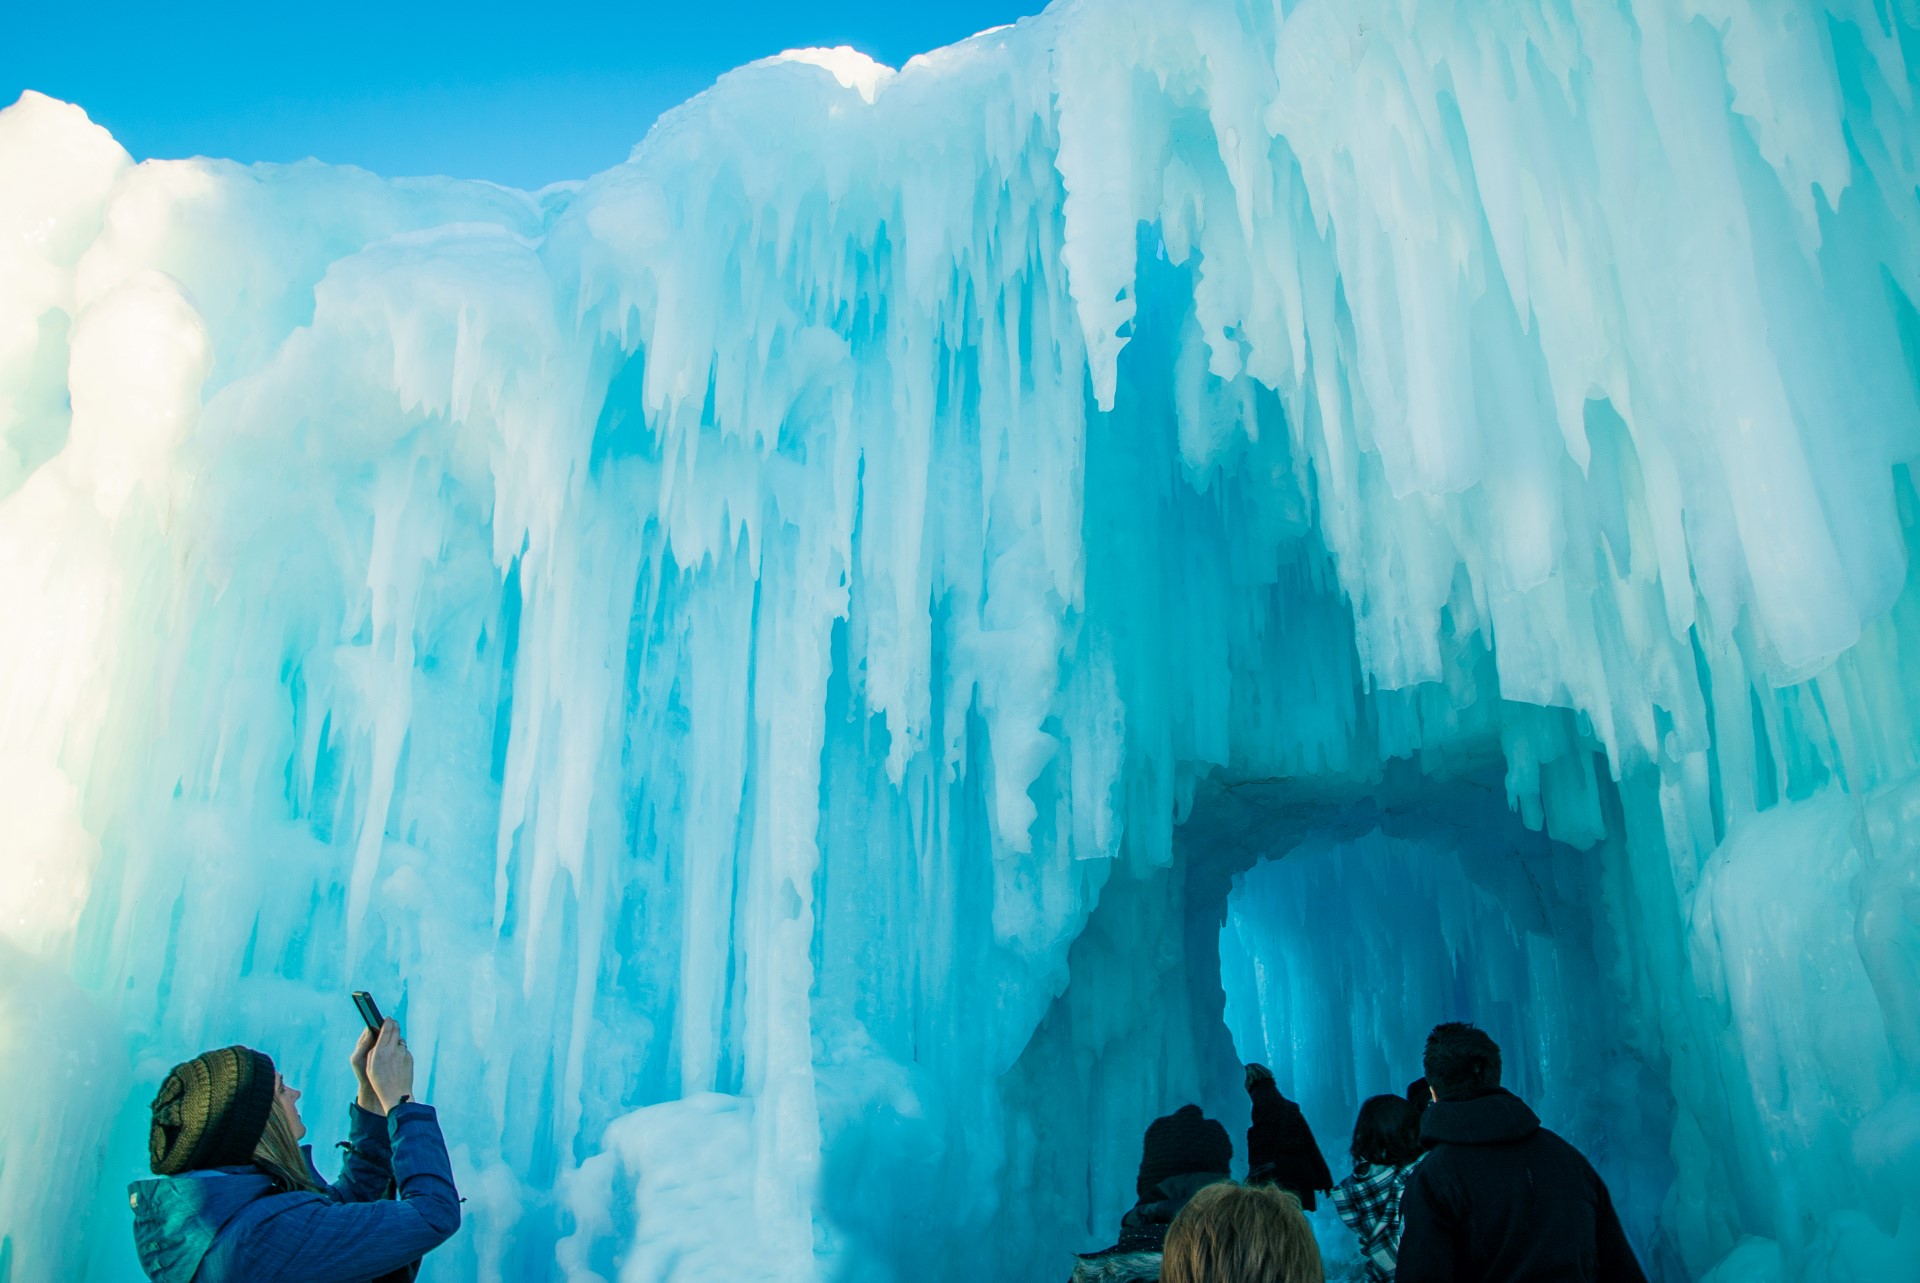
(211, 1112)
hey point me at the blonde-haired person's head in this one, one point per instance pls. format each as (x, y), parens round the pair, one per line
(1241, 1234)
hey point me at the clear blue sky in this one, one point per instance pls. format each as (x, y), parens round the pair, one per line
(523, 94)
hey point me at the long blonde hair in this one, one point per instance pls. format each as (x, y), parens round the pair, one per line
(1241, 1234)
(278, 1154)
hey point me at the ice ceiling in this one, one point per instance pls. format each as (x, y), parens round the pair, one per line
(779, 660)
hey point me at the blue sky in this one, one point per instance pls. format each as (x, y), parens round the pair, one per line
(523, 94)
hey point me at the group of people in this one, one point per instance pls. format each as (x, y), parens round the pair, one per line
(1456, 1180)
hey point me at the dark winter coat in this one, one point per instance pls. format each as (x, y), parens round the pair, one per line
(1500, 1199)
(1281, 1149)
(1143, 1232)
(234, 1225)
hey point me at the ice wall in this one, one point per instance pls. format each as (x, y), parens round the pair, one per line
(723, 648)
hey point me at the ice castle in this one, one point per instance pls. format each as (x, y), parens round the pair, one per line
(832, 671)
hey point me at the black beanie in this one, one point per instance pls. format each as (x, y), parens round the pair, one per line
(211, 1112)
(1184, 1141)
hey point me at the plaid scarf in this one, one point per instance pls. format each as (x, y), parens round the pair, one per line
(1369, 1202)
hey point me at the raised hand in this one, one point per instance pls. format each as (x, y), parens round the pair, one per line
(368, 1099)
(390, 1067)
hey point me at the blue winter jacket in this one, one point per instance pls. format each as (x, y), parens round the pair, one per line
(229, 1225)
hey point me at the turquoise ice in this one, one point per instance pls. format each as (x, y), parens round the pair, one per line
(832, 671)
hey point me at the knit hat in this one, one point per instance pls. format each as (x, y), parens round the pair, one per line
(211, 1112)
(1184, 1141)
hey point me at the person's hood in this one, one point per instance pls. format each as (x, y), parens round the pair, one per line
(177, 1218)
(1496, 1117)
(1118, 1267)
(1172, 1194)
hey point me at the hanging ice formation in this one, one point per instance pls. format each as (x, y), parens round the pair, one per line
(779, 659)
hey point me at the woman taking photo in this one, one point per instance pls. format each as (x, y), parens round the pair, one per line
(237, 1197)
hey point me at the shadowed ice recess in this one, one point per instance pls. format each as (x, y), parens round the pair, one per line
(833, 671)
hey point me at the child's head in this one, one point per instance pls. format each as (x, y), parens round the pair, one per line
(1241, 1234)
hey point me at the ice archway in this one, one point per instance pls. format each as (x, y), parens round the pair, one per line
(1337, 954)
(731, 641)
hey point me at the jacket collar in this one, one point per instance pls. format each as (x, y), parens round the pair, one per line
(1496, 1117)
(1164, 1201)
(1375, 1175)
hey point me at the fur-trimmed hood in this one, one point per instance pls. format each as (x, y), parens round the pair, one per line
(1136, 1257)
(1122, 1267)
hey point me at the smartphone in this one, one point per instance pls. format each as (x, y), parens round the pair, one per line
(369, 1009)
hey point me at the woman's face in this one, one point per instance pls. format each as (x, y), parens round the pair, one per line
(288, 1099)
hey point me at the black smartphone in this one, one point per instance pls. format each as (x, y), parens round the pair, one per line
(369, 1009)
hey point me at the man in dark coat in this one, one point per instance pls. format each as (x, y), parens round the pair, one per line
(1183, 1153)
(1500, 1199)
(1281, 1149)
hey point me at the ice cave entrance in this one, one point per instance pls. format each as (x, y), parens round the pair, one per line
(1351, 927)
(1322, 926)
